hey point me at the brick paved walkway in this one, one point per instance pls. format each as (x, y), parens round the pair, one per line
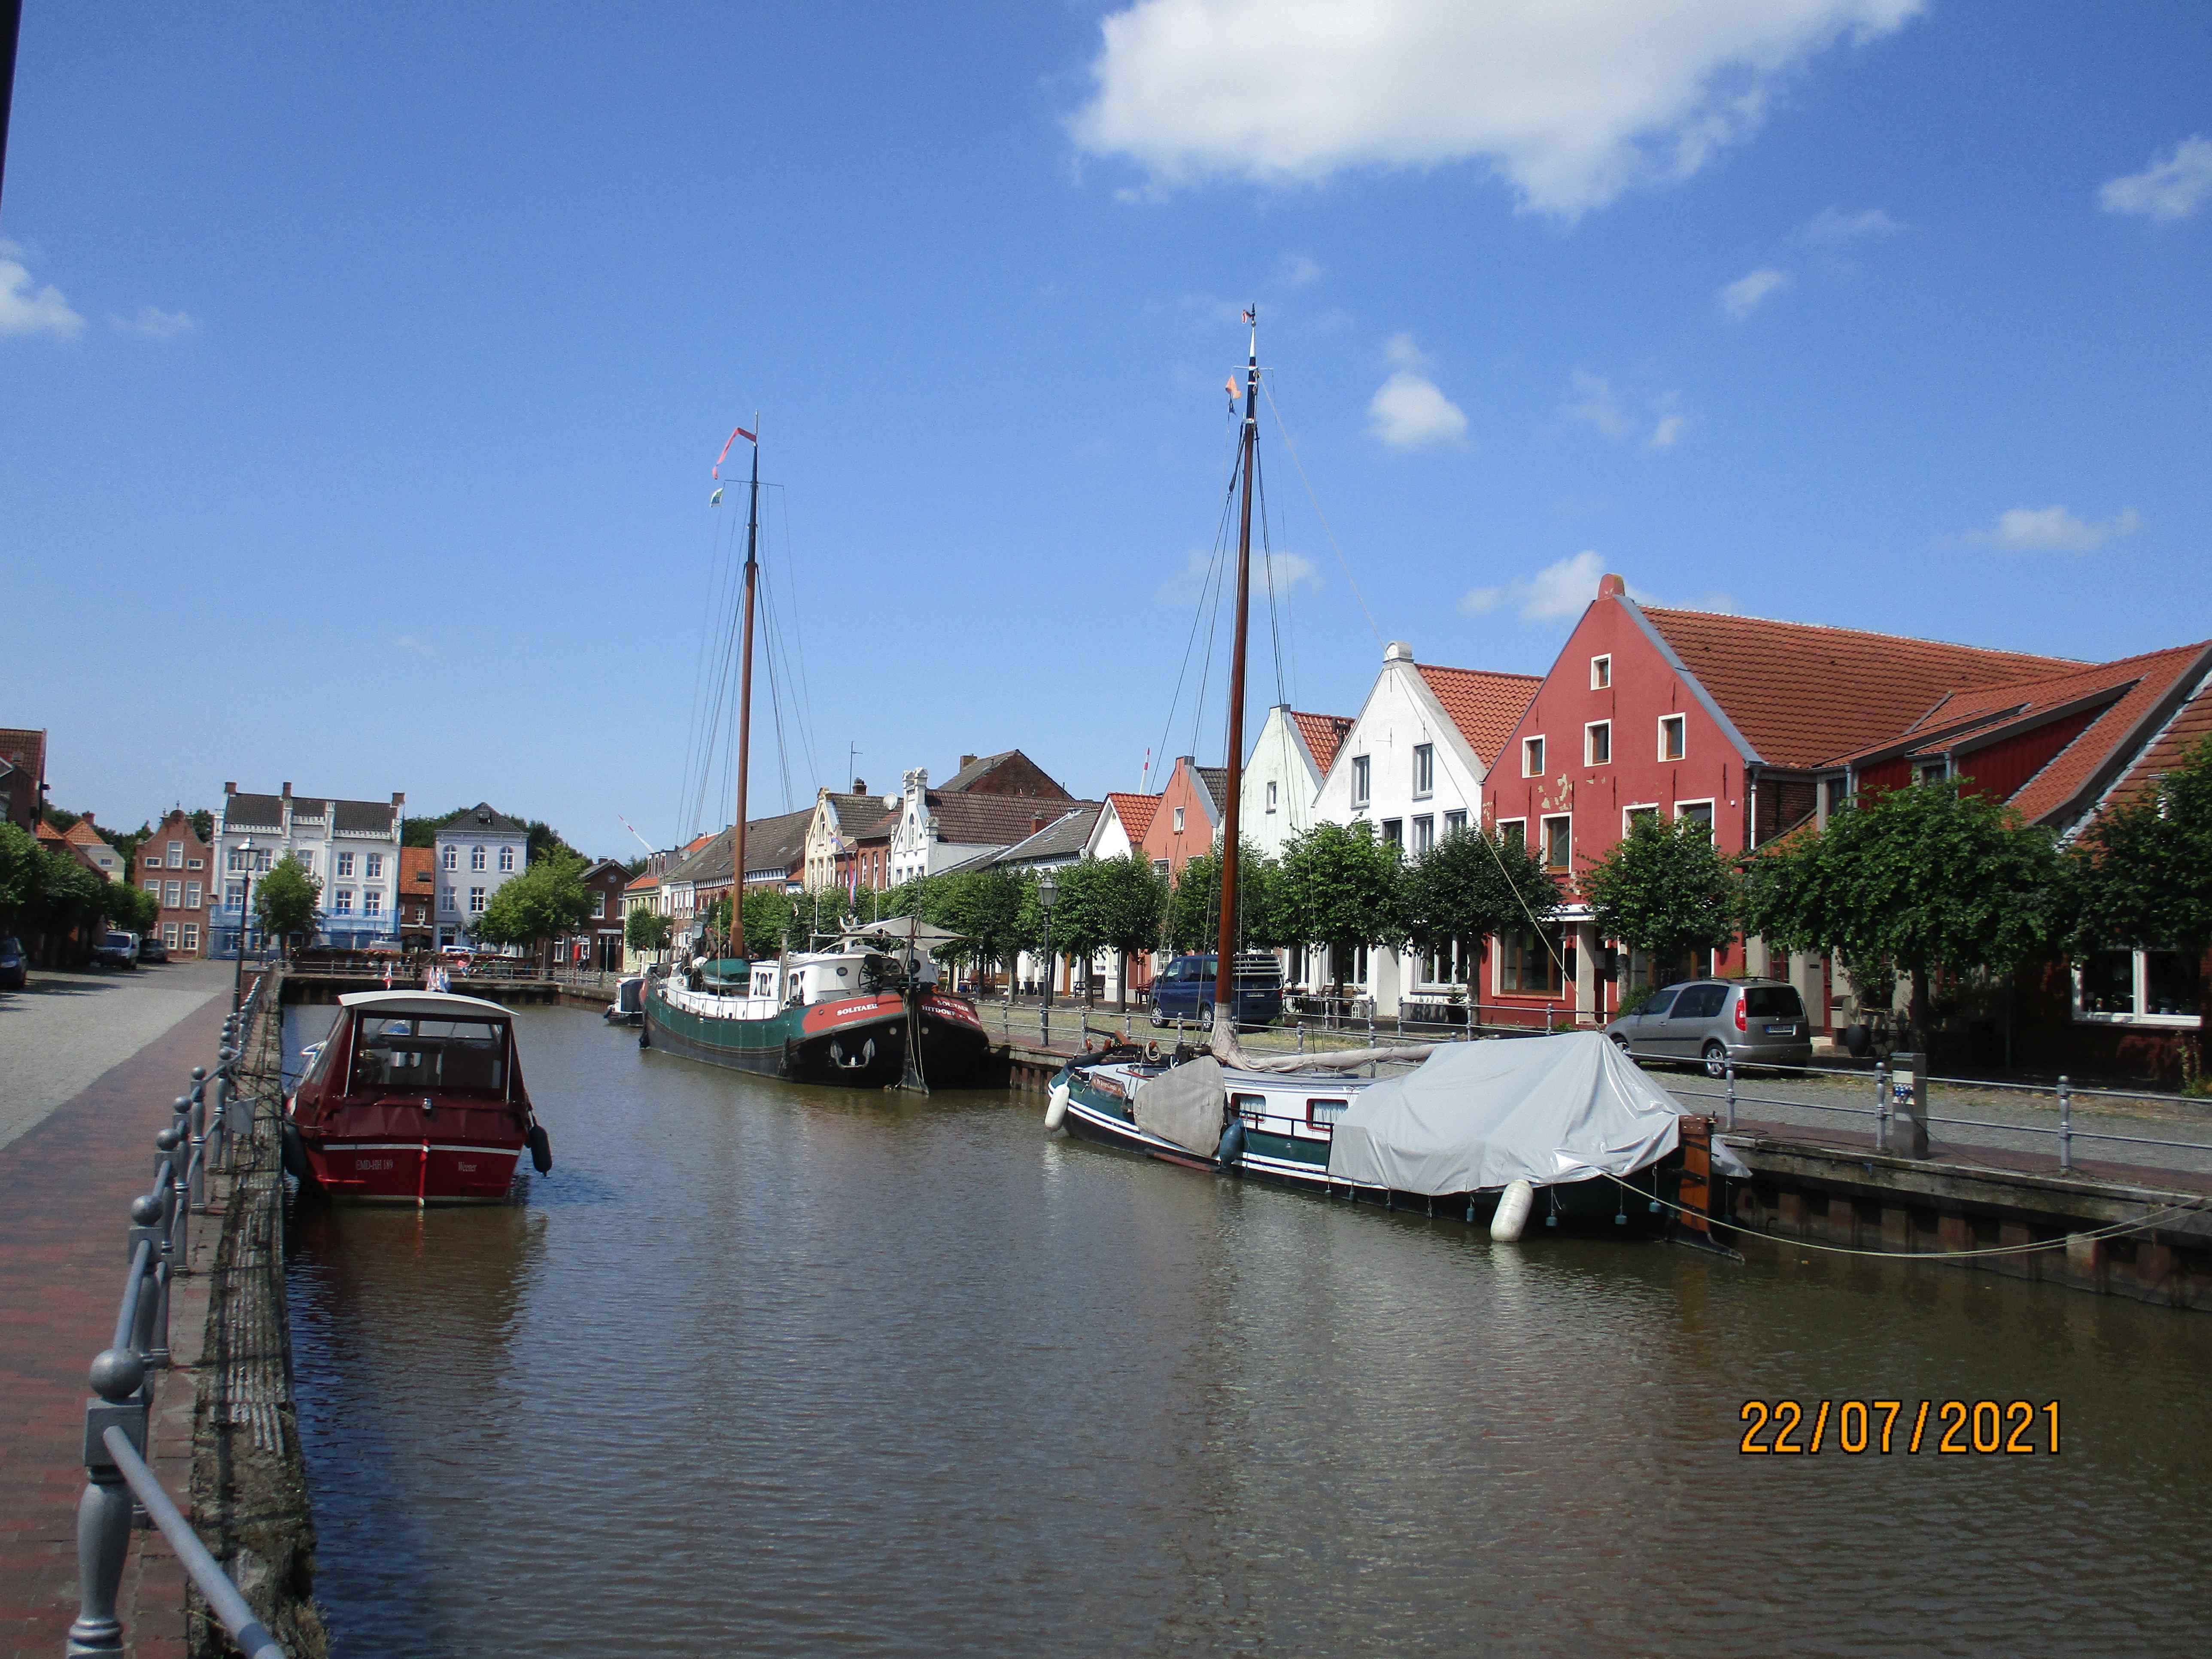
(65, 1190)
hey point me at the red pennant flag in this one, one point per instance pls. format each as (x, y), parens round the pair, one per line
(736, 433)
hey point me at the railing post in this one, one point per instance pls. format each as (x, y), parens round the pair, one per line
(1881, 1106)
(2065, 1123)
(1729, 1068)
(103, 1513)
(1547, 1020)
(180, 1179)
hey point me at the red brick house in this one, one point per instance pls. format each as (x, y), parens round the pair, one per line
(172, 865)
(23, 775)
(416, 903)
(597, 946)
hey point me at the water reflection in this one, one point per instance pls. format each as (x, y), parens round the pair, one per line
(772, 1369)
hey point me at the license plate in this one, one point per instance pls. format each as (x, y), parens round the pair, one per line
(1782, 1030)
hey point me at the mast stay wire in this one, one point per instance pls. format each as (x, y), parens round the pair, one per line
(1291, 444)
(697, 746)
(715, 686)
(1167, 723)
(795, 649)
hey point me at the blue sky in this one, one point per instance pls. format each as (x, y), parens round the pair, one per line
(360, 368)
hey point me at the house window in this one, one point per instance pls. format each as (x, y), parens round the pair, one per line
(1514, 832)
(191, 896)
(1178, 820)
(195, 863)
(372, 902)
(475, 858)
(1633, 816)
(174, 895)
(1934, 771)
(154, 885)
(446, 899)
(1425, 770)
(374, 865)
(262, 855)
(450, 857)
(476, 901)
(345, 864)
(1695, 812)
(1832, 792)
(176, 855)
(306, 857)
(233, 895)
(1394, 832)
(1270, 797)
(342, 902)
(506, 857)
(1455, 822)
(2139, 988)
(600, 911)
(169, 934)
(1673, 736)
(1601, 672)
(1360, 775)
(1532, 757)
(1557, 840)
(235, 860)
(1425, 833)
(191, 936)
(1597, 743)
(1535, 963)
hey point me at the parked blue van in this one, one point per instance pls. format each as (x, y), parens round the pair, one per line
(1185, 990)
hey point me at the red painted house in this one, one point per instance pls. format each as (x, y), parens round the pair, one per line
(1188, 814)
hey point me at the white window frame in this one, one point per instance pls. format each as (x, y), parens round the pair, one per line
(1532, 749)
(475, 858)
(1178, 820)
(1270, 794)
(195, 863)
(1548, 820)
(342, 902)
(191, 936)
(1628, 814)
(176, 855)
(372, 901)
(1712, 812)
(169, 936)
(1681, 724)
(2161, 1022)
(1363, 781)
(153, 884)
(1590, 729)
(1522, 824)
(476, 900)
(449, 858)
(506, 857)
(173, 895)
(191, 896)
(1601, 672)
(1424, 762)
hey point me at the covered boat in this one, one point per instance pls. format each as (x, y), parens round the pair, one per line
(416, 1097)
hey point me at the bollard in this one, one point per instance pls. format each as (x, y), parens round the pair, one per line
(1728, 1070)
(1371, 1021)
(1908, 1087)
(1880, 1107)
(103, 1513)
(2065, 1123)
(1547, 1019)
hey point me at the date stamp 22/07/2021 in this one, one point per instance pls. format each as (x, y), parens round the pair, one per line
(1948, 1427)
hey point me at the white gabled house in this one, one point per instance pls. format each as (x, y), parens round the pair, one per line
(1284, 775)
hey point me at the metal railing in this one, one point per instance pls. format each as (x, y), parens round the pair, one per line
(203, 1134)
(1901, 1110)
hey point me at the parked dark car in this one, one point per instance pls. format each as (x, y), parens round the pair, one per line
(115, 949)
(1185, 990)
(1760, 1022)
(15, 966)
(152, 949)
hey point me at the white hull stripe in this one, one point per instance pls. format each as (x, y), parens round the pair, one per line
(1290, 1168)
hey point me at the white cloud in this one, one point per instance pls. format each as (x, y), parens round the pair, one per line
(1408, 410)
(1571, 102)
(1666, 434)
(25, 309)
(1835, 224)
(1557, 590)
(1739, 299)
(1298, 271)
(152, 323)
(1286, 570)
(1597, 403)
(2172, 187)
(2053, 529)
(1594, 401)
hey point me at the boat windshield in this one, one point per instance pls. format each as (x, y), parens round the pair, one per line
(403, 1051)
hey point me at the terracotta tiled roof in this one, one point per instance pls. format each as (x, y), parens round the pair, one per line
(2101, 745)
(643, 883)
(1323, 734)
(46, 832)
(1805, 696)
(2191, 726)
(24, 747)
(1484, 705)
(418, 867)
(82, 834)
(1135, 812)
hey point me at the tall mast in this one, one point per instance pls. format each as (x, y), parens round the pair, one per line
(1225, 973)
(745, 710)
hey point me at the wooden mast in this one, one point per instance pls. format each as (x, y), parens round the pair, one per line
(1224, 975)
(746, 710)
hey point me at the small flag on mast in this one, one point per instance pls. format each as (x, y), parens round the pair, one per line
(1232, 388)
(736, 433)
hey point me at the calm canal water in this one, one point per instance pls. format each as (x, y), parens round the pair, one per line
(762, 1370)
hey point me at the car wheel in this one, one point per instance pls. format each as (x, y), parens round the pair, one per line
(1206, 1017)
(1716, 1058)
(1619, 1042)
(1159, 1020)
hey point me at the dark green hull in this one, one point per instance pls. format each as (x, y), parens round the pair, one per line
(859, 1042)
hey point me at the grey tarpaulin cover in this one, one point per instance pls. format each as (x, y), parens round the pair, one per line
(1475, 1116)
(1184, 1104)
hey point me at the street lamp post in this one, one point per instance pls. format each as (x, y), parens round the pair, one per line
(1047, 890)
(244, 898)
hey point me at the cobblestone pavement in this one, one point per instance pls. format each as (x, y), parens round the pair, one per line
(68, 1028)
(2106, 1130)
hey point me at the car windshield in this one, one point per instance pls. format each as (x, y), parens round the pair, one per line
(118, 941)
(403, 1051)
(1772, 1002)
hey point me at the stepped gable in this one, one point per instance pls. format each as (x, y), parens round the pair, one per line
(1323, 735)
(1806, 695)
(1009, 772)
(1135, 812)
(1484, 704)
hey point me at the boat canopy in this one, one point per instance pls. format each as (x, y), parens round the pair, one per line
(727, 970)
(429, 1005)
(904, 930)
(1477, 1116)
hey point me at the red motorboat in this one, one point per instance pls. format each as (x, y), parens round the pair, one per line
(415, 1097)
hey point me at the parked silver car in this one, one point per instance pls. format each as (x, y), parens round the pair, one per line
(1753, 1021)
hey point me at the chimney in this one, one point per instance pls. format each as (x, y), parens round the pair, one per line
(230, 788)
(860, 787)
(288, 792)
(89, 824)
(1611, 586)
(967, 760)
(397, 798)
(1036, 823)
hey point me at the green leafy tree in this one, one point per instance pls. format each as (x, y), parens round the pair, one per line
(984, 906)
(1129, 898)
(20, 868)
(287, 901)
(1470, 887)
(1665, 890)
(647, 929)
(1193, 906)
(1929, 879)
(129, 907)
(546, 841)
(203, 823)
(542, 900)
(1340, 889)
(2142, 873)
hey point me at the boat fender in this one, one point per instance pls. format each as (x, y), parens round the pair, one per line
(1512, 1212)
(293, 1154)
(541, 1149)
(1231, 1150)
(1055, 1111)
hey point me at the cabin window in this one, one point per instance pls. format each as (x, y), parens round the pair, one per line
(1532, 757)
(1359, 781)
(1323, 1114)
(1253, 1108)
(1425, 770)
(402, 1051)
(1600, 673)
(1673, 737)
